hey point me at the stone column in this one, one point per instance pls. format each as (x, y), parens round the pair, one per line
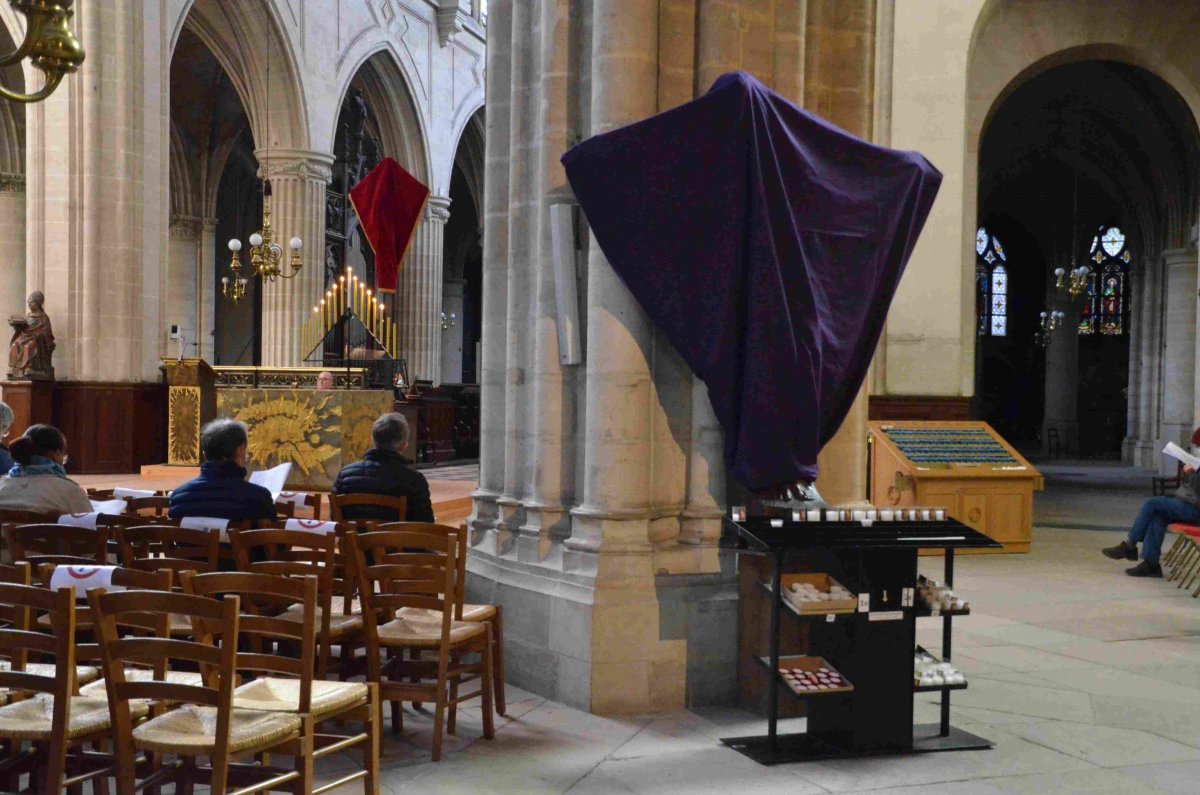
(1179, 352)
(98, 197)
(182, 285)
(419, 293)
(1062, 376)
(452, 336)
(206, 303)
(298, 181)
(551, 442)
(12, 244)
(1148, 353)
(1133, 388)
(495, 277)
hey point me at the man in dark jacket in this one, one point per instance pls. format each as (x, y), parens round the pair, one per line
(221, 491)
(383, 470)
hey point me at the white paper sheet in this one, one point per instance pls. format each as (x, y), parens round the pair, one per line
(125, 493)
(83, 578)
(296, 498)
(1179, 454)
(87, 520)
(111, 507)
(272, 479)
(311, 526)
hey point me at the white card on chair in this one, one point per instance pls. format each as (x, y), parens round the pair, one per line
(121, 491)
(83, 578)
(206, 523)
(296, 498)
(311, 526)
(87, 520)
(111, 507)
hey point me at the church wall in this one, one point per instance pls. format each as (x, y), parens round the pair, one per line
(12, 245)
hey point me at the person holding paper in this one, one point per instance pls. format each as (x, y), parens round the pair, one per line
(385, 470)
(1150, 527)
(221, 491)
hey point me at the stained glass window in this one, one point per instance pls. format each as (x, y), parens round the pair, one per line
(991, 282)
(1105, 306)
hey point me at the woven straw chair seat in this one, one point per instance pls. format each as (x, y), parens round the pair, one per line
(471, 613)
(99, 688)
(83, 673)
(33, 718)
(422, 632)
(338, 624)
(337, 605)
(273, 694)
(191, 730)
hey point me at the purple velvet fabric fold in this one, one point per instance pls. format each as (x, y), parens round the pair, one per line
(767, 245)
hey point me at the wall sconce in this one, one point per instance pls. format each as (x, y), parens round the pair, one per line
(448, 320)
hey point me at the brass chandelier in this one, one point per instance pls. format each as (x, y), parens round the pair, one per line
(49, 44)
(266, 256)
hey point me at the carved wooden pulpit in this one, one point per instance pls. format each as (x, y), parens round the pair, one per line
(192, 401)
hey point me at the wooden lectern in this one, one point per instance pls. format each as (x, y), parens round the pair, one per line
(191, 402)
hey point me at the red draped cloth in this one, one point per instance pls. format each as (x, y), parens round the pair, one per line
(389, 202)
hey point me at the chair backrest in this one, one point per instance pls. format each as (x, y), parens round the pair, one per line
(111, 610)
(129, 520)
(25, 603)
(339, 502)
(99, 494)
(123, 578)
(57, 543)
(263, 597)
(179, 549)
(393, 574)
(285, 509)
(459, 535)
(17, 516)
(148, 506)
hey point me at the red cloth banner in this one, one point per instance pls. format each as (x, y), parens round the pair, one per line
(389, 202)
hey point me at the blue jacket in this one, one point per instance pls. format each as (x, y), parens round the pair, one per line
(221, 492)
(6, 461)
(385, 472)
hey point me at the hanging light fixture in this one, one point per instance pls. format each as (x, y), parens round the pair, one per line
(49, 45)
(266, 256)
(1078, 274)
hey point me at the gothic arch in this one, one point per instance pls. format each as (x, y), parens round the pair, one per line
(388, 90)
(225, 27)
(469, 155)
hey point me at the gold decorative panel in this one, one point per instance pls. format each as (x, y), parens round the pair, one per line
(183, 426)
(318, 432)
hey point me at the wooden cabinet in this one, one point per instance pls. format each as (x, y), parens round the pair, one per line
(964, 467)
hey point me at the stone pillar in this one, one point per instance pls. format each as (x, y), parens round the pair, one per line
(551, 483)
(98, 197)
(207, 281)
(298, 181)
(1179, 352)
(1062, 377)
(419, 294)
(495, 278)
(1149, 356)
(1133, 388)
(12, 245)
(452, 336)
(182, 286)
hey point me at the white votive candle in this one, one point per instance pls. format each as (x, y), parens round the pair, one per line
(797, 516)
(858, 516)
(831, 516)
(776, 523)
(887, 514)
(814, 515)
(926, 515)
(872, 514)
(940, 514)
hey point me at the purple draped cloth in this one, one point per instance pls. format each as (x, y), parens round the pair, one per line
(766, 244)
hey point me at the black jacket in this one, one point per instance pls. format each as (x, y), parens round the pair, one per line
(222, 492)
(385, 472)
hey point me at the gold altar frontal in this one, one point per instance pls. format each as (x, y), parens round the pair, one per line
(316, 431)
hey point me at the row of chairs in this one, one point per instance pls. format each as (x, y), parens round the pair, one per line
(165, 702)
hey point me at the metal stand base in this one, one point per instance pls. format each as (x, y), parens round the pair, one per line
(791, 748)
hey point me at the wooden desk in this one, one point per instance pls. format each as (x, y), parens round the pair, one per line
(964, 467)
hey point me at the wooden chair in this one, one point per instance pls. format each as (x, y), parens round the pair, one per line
(284, 683)
(57, 543)
(16, 516)
(48, 713)
(295, 553)
(206, 723)
(492, 614)
(148, 506)
(122, 577)
(150, 547)
(424, 580)
(339, 502)
(99, 494)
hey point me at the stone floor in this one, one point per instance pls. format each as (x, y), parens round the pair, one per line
(1087, 680)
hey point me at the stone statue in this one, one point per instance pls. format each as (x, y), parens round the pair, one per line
(32, 344)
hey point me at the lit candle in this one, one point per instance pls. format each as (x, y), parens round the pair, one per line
(370, 312)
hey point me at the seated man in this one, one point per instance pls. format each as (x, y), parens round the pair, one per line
(221, 491)
(1150, 527)
(324, 381)
(383, 470)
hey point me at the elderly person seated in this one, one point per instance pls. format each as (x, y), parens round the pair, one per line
(6, 421)
(1150, 526)
(384, 470)
(221, 491)
(324, 381)
(38, 481)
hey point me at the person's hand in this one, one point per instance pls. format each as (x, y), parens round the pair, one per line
(1188, 470)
